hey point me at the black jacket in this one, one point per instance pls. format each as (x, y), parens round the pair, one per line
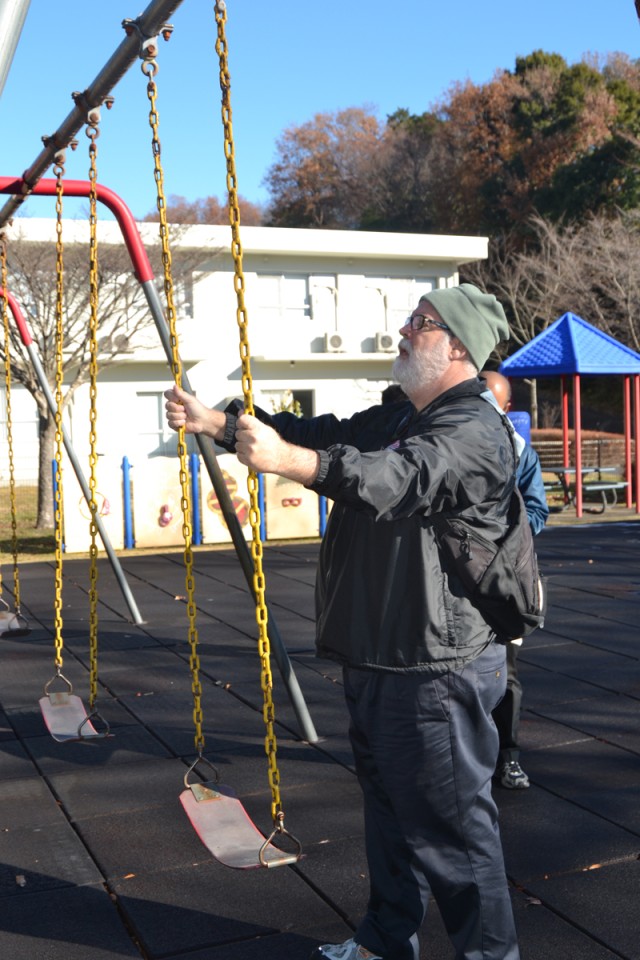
(383, 599)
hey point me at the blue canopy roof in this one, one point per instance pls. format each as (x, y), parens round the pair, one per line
(571, 345)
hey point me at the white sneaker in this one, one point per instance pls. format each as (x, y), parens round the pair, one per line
(513, 777)
(349, 950)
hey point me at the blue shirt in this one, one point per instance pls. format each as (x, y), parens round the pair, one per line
(531, 486)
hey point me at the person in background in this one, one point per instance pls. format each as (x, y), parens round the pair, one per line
(393, 393)
(506, 715)
(422, 670)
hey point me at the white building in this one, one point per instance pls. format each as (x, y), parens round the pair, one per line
(323, 306)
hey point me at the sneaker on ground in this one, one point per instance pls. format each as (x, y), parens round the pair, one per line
(349, 950)
(513, 777)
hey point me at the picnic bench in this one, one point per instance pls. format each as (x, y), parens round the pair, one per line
(602, 488)
(606, 491)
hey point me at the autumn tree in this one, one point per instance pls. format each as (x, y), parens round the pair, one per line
(476, 145)
(547, 137)
(207, 210)
(322, 175)
(515, 145)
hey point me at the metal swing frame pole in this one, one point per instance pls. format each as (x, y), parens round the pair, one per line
(27, 340)
(13, 13)
(145, 277)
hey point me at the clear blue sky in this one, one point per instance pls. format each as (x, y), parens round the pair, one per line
(289, 59)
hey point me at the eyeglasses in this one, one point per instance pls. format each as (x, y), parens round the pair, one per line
(418, 321)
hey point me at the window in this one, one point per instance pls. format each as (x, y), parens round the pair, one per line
(284, 298)
(283, 316)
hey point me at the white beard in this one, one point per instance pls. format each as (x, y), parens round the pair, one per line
(421, 367)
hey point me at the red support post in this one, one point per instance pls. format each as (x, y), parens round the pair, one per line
(577, 426)
(627, 439)
(636, 380)
(565, 422)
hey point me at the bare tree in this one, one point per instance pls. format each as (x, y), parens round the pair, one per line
(535, 285)
(609, 269)
(591, 269)
(123, 313)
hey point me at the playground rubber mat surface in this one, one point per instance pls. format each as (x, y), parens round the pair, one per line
(99, 860)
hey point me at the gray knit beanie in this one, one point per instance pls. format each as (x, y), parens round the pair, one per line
(474, 317)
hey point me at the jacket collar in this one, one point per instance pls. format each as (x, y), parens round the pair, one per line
(468, 388)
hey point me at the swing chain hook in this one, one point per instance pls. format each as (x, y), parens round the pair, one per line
(150, 68)
(92, 130)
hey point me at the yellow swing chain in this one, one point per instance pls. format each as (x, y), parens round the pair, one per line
(59, 644)
(247, 389)
(12, 480)
(150, 68)
(93, 133)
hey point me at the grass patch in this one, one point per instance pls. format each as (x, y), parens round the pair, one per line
(32, 543)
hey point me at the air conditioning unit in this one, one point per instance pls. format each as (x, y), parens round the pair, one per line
(333, 343)
(385, 343)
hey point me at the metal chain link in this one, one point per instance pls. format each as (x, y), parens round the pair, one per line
(150, 69)
(93, 133)
(266, 678)
(12, 479)
(59, 349)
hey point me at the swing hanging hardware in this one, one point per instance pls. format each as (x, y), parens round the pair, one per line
(204, 790)
(58, 696)
(287, 859)
(60, 155)
(92, 110)
(50, 140)
(64, 713)
(148, 45)
(12, 623)
(268, 854)
(214, 810)
(100, 732)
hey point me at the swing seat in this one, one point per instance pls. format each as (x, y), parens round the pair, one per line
(226, 829)
(13, 624)
(66, 717)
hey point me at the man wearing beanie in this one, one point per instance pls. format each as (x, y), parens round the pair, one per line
(422, 669)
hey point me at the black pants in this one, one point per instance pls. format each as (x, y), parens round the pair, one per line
(425, 750)
(506, 715)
